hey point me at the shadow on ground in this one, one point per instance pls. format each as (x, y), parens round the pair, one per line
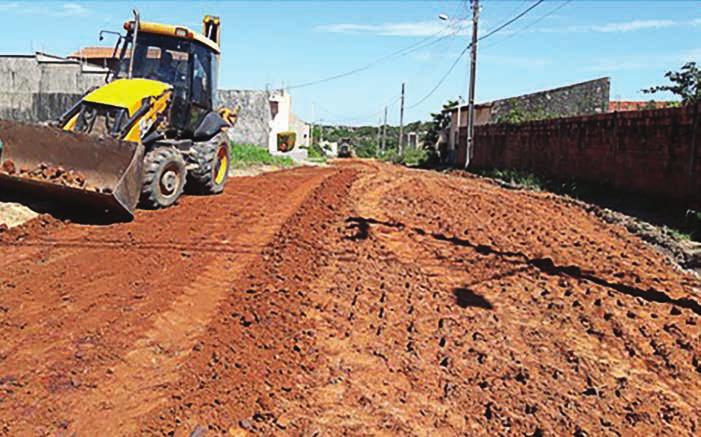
(70, 211)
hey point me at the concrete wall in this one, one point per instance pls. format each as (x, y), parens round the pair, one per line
(648, 152)
(253, 126)
(302, 130)
(40, 87)
(262, 115)
(280, 109)
(586, 98)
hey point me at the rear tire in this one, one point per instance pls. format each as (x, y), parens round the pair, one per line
(209, 166)
(164, 178)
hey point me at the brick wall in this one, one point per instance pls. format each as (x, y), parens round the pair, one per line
(646, 152)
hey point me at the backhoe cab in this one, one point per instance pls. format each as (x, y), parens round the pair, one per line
(150, 132)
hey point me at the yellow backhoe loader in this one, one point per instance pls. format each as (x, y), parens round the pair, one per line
(148, 134)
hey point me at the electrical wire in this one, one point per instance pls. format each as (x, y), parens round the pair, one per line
(512, 10)
(363, 117)
(420, 44)
(499, 28)
(440, 82)
(457, 60)
(423, 43)
(531, 24)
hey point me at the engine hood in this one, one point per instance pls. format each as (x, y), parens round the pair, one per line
(127, 93)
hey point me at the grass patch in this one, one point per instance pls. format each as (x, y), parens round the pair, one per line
(247, 155)
(677, 234)
(515, 177)
(411, 157)
(667, 216)
(316, 154)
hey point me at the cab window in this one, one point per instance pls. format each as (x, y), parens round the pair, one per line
(202, 77)
(161, 58)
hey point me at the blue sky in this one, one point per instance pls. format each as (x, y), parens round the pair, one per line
(269, 43)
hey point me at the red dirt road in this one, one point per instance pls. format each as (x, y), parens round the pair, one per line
(360, 299)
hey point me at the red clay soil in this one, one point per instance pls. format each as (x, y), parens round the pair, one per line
(360, 299)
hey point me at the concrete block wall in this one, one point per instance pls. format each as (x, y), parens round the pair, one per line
(302, 130)
(253, 125)
(591, 97)
(646, 152)
(38, 88)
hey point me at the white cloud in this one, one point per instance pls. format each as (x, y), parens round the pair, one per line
(630, 26)
(641, 62)
(432, 27)
(64, 10)
(8, 6)
(73, 10)
(621, 27)
(416, 28)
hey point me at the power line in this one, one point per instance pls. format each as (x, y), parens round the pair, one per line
(531, 24)
(423, 43)
(440, 82)
(457, 60)
(362, 117)
(499, 28)
(513, 10)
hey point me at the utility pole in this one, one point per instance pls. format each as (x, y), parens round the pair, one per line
(401, 123)
(311, 132)
(456, 138)
(473, 70)
(384, 132)
(379, 131)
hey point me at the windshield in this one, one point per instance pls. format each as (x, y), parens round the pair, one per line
(160, 58)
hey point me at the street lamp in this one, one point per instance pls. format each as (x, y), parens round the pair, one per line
(471, 86)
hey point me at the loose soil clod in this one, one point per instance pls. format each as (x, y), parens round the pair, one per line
(47, 173)
(9, 167)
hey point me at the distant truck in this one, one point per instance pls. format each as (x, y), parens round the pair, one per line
(345, 148)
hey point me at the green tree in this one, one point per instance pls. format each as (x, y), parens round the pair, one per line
(439, 122)
(686, 83)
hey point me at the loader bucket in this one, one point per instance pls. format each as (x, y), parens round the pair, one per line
(71, 168)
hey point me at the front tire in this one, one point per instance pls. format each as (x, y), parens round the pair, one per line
(209, 166)
(164, 178)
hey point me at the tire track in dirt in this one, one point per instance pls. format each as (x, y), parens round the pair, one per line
(456, 260)
(425, 334)
(89, 311)
(133, 390)
(390, 301)
(258, 353)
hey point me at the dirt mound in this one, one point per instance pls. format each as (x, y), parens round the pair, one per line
(359, 299)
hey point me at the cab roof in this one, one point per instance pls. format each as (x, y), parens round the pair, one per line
(175, 31)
